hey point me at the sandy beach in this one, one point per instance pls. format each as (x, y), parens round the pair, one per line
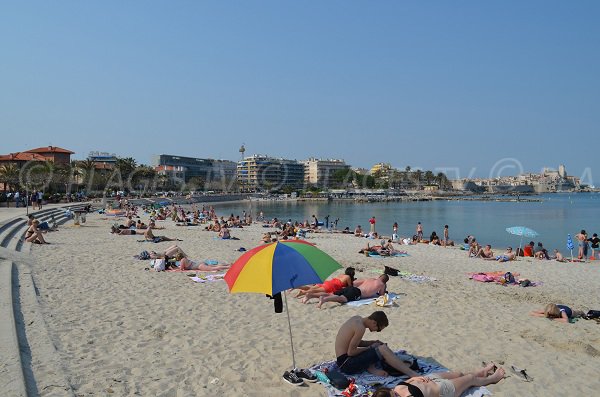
(124, 331)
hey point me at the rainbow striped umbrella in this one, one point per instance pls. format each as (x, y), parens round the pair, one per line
(276, 267)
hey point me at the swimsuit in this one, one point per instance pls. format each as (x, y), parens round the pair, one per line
(359, 363)
(333, 285)
(350, 293)
(447, 388)
(566, 309)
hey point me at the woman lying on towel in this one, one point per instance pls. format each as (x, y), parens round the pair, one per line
(443, 384)
(188, 264)
(556, 312)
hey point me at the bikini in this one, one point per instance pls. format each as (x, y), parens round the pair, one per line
(412, 389)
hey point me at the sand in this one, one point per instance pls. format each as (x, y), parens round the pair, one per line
(121, 330)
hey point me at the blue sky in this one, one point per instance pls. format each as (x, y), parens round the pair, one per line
(475, 87)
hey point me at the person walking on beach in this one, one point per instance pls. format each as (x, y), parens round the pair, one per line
(419, 231)
(372, 221)
(355, 355)
(395, 231)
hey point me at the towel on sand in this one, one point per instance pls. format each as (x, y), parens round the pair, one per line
(391, 296)
(365, 381)
(208, 278)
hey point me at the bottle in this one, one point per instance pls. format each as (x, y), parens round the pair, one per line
(321, 377)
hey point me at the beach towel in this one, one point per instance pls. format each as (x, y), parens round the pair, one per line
(395, 254)
(391, 298)
(500, 277)
(416, 278)
(207, 278)
(365, 382)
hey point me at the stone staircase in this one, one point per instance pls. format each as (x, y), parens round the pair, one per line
(17, 289)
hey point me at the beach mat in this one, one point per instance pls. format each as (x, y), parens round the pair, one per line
(361, 302)
(208, 278)
(365, 382)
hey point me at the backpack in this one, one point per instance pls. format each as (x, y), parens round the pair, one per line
(509, 278)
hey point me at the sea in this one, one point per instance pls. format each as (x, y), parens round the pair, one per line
(554, 217)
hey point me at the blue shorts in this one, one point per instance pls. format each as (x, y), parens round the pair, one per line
(360, 363)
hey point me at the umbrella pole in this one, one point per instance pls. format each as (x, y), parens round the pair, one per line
(290, 328)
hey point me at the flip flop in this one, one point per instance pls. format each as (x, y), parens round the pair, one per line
(521, 373)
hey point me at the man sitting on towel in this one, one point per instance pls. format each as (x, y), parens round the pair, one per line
(355, 355)
(361, 289)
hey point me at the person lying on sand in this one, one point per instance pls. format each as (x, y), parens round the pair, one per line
(443, 384)
(149, 236)
(556, 312)
(328, 287)
(361, 289)
(170, 252)
(188, 264)
(509, 255)
(355, 355)
(122, 232)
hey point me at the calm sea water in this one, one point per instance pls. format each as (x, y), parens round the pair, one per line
(553, 218)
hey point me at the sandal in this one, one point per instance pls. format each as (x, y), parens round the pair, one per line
(521, 373)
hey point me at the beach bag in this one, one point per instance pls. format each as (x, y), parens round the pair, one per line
(509, 278)
(593, 314)
(158, 264)
(390, 271)
(338, 379)
(383, 300)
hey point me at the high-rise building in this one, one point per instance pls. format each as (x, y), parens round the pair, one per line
(189, 167)
(319, 172)
(258, 172)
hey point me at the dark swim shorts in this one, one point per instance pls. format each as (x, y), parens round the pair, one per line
(359, 363)
(350, 293)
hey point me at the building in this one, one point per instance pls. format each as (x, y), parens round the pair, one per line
(186, 168)
(381, 169)
(319, 172)
(54, 154)
(106, 160)
(258, 172)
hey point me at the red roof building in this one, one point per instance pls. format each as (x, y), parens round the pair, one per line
(54, 154)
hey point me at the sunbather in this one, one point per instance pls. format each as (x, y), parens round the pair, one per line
(556, 312)
(329, 286)
(355, 355)
(34, 235)
(558, 256)
(443, 384)
(149, 236)
(188, 264)
(509, 255)
(486, 252)
(361, 289)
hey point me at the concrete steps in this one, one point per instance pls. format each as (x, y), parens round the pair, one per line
(17, 290)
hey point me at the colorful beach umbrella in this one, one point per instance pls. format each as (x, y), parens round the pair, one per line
(276, 267)
(279, 266)
(523, 232)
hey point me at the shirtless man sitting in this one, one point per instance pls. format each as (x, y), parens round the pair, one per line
(361, 289)
(486, 252)
(355, 355)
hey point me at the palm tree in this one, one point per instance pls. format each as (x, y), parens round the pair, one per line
(429, 176)
(442, 180)
(125, 166)
(9, 175)
(417, 176)
(88, 167)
